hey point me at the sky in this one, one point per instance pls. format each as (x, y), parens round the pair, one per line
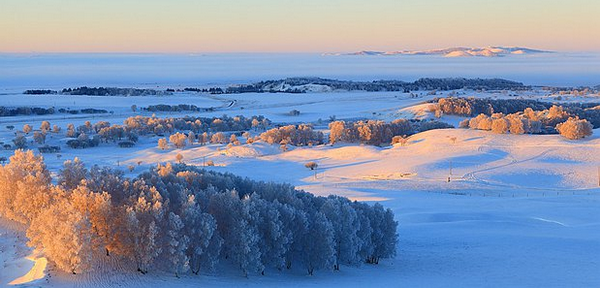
(188, 26)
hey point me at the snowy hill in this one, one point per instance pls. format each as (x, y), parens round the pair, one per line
(490, 51)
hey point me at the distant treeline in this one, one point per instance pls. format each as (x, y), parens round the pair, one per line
(39, 92)
(213, 90)
(172, 108)
(6, 111)
(299, 85)
(295, 85)
(111, 91)
(381, 85)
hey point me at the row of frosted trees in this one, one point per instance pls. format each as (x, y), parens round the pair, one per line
(552, 120)
(154, 125)
(180, 219)
(377, 132)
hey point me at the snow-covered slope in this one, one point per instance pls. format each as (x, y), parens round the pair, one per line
(519, 210)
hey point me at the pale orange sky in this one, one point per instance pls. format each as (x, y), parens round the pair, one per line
(183, 26)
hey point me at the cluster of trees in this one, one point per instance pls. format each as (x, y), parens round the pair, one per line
(180, 218)
(111, 91)
(171, 108)
(297, 135)
(180, 140)
(582, 91)
(6, 111)
(212, 90)
(39, 137)
(377, 132)
(49, 149)
(91, 135)
(83, 111)
(549, 121)
(39, 92)
(83, 141)
(472, 106)
(501, 124)
(152, 125)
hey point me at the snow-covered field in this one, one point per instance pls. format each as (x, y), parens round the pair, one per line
(518, 211)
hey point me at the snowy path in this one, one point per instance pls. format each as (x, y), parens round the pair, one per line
(36, 272)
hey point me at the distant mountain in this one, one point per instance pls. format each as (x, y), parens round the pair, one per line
(491, 51)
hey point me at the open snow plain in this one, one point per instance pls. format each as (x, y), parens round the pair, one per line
(519, 210)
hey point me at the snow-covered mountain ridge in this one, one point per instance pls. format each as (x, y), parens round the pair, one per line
(490, 51)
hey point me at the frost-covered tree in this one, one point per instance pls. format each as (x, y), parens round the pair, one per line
(162, 144)
(176, 245)
(72, 173)
(20, 142)
(311, 165)
(384, 236)
(295, 227)
(39, 137)
(203, 139)
(255, 124)
(45, 126)
(575, 128)
(111, 181)
(240, 238)
(218, 138)
(233, 140)
(25, 187)
(65, 235)
(204, 246)
(27, 128)
(319, 243)
(500, 125)
(71, 130)
(366, 249)
(98, 208)
(178, 140)
(345, 225)
(516, 124)
(141, 225)
(191, 138)
(274, 239)
(336, 131)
